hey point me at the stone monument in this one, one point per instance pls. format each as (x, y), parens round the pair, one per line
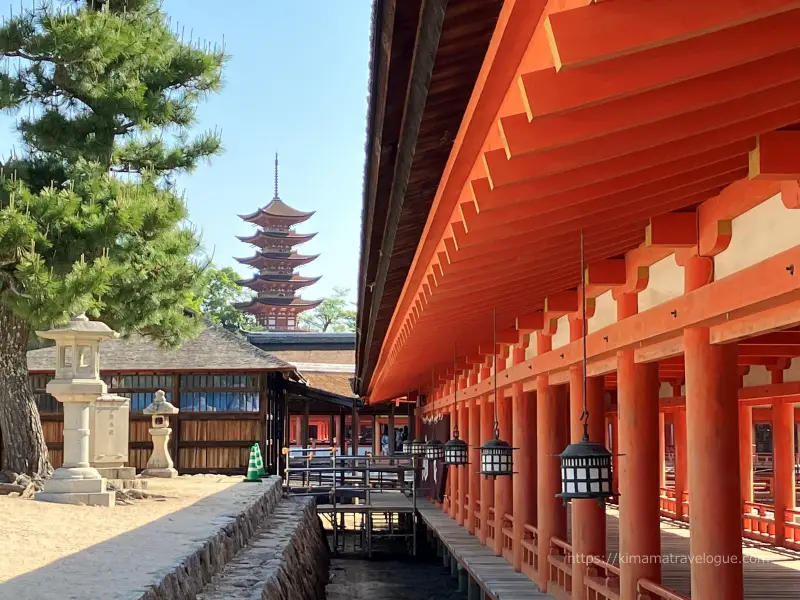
(160, 463)
(77, 384)
(109, 417)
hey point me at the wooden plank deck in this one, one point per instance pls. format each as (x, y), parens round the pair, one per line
(769, 573)
(493, 573)
(380, 502)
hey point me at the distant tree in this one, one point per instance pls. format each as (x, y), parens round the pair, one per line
(221, 293)
(332, 314)
(105, 94)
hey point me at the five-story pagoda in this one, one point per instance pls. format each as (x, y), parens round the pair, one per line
(276, 305)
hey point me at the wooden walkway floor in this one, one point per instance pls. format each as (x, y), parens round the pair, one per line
(770, 573)
(493, 573)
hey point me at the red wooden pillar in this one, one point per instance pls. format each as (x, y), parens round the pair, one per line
(503, 486)
(712, 424)
(487, 485)
(588, 517)
(614, 445)
(452, 476)
(503, 489)
(463, 433)
(474, 456)
(681, 478)
(662, 451)
(746, 452)
(639, 518)
(524, 483)
(782, 460)
(550, 439)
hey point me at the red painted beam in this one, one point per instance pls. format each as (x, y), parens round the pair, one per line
(672, 230)
(548, 91)
(581, 36)
(521, 135)
(777, 156)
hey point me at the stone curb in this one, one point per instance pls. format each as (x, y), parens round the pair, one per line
(189, 578)
(287, 560)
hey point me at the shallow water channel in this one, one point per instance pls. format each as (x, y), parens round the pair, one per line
(391, 579)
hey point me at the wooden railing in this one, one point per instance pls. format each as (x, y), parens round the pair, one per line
(668, 503)
(602, 579)
(647, 590)
(559, 568)
(477, 515)
(792, 528)
(508, 537)
(491, 525)
(530, 551)
(759, 522)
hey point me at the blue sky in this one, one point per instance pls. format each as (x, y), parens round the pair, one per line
(296, 84)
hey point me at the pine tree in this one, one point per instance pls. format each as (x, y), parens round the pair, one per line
(90, 220)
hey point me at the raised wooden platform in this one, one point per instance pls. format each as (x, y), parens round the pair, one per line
(495, 576)
(769, 573)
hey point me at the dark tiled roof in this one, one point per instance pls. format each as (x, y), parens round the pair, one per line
(214, 349)
(311, 338)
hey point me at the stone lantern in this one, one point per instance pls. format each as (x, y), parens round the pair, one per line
(160, 463)
(77, 384)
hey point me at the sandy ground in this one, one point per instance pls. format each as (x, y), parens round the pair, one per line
(35, 534)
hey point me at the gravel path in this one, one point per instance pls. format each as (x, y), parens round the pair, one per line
(356, 579)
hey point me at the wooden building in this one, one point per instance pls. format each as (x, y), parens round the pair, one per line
(230, 394)
(660, 142)
(327, 363)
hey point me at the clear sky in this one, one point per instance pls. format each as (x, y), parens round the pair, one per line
(296, 83)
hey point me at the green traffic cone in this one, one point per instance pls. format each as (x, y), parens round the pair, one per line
(253, 472)
(259, 461)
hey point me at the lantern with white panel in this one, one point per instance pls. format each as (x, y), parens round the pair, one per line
(586, 472)
(585, 466)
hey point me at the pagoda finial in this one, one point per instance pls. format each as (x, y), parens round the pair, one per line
(276, 175)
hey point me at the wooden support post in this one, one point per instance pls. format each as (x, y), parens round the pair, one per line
(474, 458)
(452, 475)
(639, 518)
(304, 440)
(487, 485)
(392, 436)
(376, 436)
(551, 440)
(614, 446)
(712, 426)
(463, 472)
(681, 476)
(746, 452)
(588, 516)
(354, 433)
(662, 451)
(524, 483)
(503, 490)
(782, 460)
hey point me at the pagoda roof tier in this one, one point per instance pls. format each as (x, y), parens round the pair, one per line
(262, 281)
(263, 238)
(263, 305)
(262, 259)
(277, 211)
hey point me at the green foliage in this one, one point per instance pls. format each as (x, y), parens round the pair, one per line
(222, 293)
(332, 314)
(89, 215)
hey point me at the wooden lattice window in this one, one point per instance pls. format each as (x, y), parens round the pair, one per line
(219, 393)
(139, 387)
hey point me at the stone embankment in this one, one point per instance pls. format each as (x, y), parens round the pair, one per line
(287, 560)
(186, 578)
